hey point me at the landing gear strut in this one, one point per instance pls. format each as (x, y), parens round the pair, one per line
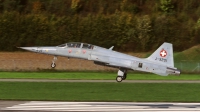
(122, 74)
(124, 77)
(53, 64)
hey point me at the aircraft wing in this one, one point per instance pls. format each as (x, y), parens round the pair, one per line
(111, 61)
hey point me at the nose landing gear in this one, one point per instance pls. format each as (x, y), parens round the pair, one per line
(53, 64)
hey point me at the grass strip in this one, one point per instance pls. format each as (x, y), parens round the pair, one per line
(65, 91)
(92, 75)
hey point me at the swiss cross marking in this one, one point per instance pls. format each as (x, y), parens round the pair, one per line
(70, 51)
(163, 53)
(84, 51)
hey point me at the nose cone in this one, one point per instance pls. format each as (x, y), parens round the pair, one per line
(33, 49)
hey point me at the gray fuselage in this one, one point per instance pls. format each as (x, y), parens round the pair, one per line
(105, 57)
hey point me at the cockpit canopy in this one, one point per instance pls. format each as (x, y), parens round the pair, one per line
(76, 45)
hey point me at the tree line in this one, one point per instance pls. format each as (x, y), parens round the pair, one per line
(129, 25)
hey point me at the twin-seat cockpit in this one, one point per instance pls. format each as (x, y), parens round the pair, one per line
(77, 45)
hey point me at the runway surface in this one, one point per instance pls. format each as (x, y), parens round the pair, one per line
(124, 81)
(44, 106)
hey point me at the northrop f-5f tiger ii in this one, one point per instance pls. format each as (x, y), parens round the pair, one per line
(161, 62)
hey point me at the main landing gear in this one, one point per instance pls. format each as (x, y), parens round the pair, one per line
(122, 74)
(53, 64)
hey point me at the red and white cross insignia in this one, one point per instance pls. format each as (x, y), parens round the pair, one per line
(84, 51)
(70, 51)
(163, 53)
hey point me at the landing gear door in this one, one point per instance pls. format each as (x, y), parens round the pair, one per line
(135, 65)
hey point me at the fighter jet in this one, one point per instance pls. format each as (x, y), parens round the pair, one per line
(161, 62)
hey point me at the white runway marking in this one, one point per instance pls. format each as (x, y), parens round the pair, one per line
(104, 106)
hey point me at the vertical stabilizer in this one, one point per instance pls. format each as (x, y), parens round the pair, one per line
(163, 55)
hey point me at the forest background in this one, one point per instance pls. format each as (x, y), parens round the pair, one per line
(129, 25)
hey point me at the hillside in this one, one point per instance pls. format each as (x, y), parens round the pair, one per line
(191, 54)
(188, 55)
(129, 25)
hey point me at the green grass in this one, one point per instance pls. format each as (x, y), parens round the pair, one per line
(92, 75)
(191, 54)
(63, 91)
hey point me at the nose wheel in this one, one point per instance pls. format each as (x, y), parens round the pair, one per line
(53, 64)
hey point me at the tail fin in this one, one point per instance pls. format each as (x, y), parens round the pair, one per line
(163, 55)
